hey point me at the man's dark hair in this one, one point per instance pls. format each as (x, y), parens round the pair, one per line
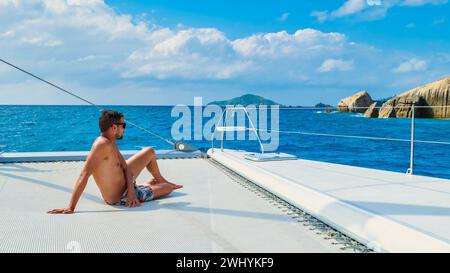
(108, 118)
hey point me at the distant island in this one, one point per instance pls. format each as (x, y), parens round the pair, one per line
(250, 99)
(246, 100)
(322, 105)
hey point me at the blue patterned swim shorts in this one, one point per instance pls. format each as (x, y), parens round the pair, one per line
(143, 194)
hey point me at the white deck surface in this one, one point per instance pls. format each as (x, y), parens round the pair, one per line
(395, 211)
(77, 156)
(210, 214)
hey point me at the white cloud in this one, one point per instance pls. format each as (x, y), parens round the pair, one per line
(421, 2)
(411, 66)
(282, 44)
(88, 46)
(7, 34)
(90, 58)
(321, 16)
(209, 54)
(330, 65)
(350, 7)
(41, 41)
(203, 53)
(370, 9)
(439, 21)
(374, 2)
(283, 17)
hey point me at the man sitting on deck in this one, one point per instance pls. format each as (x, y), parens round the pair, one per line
(114, 176)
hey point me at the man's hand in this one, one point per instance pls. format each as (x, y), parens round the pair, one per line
(132, 200)
(60, 211)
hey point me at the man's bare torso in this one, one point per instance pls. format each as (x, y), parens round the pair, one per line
(108, 174)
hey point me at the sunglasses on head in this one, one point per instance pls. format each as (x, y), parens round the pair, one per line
(124, 125)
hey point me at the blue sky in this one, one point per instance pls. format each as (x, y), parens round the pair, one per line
(239, 19)
(167, 52)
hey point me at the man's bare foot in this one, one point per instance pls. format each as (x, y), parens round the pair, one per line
(175, 186)
(153, 181)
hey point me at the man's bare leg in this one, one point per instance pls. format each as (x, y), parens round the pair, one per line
(153, 168)
(147, 158)
(154, 182)
(161, 189)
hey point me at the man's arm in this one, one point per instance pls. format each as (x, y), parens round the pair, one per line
(132, 199)
(92, 160)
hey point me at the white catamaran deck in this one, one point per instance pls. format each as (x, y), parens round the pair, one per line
(212, 213)
(388, 211)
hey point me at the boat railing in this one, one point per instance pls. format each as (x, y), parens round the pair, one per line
(222, 127)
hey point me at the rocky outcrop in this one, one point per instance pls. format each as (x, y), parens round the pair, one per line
(357, 103)
(372, 111)
(433, 94)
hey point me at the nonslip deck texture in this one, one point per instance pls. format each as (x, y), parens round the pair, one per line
(388, 211)
(210, 214)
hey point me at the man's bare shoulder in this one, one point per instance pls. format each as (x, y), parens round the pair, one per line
(101, 144)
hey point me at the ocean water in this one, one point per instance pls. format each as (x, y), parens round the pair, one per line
(73, 128)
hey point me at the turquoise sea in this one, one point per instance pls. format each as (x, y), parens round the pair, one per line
(73, 128)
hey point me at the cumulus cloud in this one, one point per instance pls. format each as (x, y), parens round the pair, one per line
(60, 37)
(203, 53)
(411, 65)
(207, 54)
(87, 45)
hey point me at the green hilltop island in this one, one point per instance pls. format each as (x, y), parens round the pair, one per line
(435, 94)
(250, 99)
(246, 100)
